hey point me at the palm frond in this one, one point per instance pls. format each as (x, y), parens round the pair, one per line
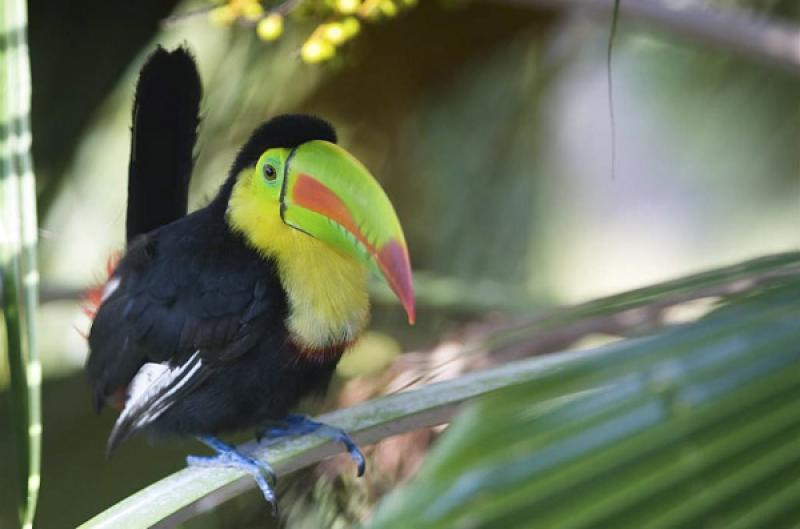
(556, 411)
(18, 234)
(695, 424)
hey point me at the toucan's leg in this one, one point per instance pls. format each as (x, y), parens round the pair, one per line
(295, 425)
(228, 457)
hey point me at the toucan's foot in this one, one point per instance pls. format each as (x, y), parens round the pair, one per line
(295, 425)
(228, 457)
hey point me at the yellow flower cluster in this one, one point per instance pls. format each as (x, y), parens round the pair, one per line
(233, 10)
(321, 45)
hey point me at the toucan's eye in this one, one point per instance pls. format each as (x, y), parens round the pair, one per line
(269, 172)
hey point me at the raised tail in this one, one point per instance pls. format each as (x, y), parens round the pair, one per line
(165, 120)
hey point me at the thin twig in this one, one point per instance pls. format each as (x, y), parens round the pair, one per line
(611, 34)
(735, 30)
(282, 8)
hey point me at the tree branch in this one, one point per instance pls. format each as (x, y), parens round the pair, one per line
(191, 491)
(194, 490)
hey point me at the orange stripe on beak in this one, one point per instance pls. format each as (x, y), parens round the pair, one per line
(391, 258)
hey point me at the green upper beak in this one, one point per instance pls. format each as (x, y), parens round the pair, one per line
(330, 195)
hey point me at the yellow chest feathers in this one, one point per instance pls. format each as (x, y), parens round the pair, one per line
(326, 290)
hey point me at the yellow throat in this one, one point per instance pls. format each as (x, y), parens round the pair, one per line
(326, 289)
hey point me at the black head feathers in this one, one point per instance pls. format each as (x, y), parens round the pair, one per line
(288, 130)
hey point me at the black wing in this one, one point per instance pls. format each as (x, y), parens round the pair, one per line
(165, 120)
(182, 303)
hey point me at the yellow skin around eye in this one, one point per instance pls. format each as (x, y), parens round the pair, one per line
(326, 288)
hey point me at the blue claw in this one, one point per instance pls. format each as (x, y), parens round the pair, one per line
(228, 457)
(295, 425)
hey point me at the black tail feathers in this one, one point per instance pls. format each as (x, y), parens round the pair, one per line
(165, 120)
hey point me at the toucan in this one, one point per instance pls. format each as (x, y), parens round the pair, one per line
(223, 319)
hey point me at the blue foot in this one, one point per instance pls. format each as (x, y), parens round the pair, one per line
(228, 457)
(295, 425)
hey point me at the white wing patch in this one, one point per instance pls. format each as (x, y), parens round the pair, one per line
(151, 388)
(109, 288)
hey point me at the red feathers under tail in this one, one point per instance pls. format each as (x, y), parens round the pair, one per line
(94, 295)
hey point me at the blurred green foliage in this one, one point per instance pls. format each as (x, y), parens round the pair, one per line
(695, 426)
(487, 124)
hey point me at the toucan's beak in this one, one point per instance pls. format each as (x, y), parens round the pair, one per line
(330, 195)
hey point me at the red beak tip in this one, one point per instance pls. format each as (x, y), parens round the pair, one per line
(409, 303)
(393, 262)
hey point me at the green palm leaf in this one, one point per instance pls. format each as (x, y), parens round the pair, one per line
(696, 426)
(626, 433)
(18, 234)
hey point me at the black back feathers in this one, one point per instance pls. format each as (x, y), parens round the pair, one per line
(288, 130)
(165, 120)
(192, 330)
